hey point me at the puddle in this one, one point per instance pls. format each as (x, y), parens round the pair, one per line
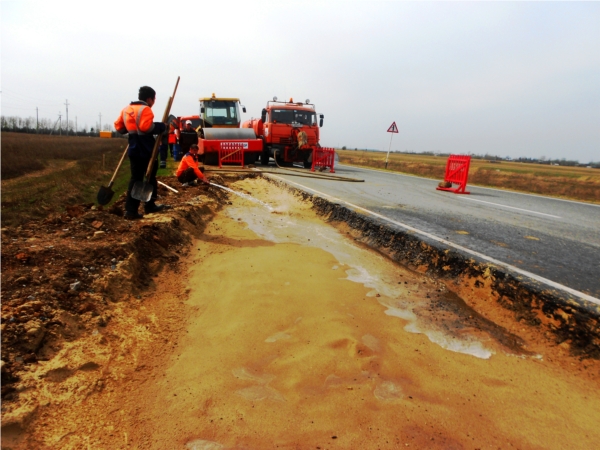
(201, 444)
(425, 305)
(388, 391)
(245, 196)
(278, 336)
(256, 393)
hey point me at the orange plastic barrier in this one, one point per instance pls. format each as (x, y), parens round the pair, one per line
(323, 157)
(231, 152)
(457, 172)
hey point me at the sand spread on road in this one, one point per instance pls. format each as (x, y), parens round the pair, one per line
(281, 332)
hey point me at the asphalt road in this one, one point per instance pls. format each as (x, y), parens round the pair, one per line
(551, 240)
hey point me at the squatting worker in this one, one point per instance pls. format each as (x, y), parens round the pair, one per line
(188, 171)
(137, 119)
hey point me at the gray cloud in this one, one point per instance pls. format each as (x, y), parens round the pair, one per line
(513, 79)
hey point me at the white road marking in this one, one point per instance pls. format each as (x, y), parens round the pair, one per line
(506, 191)
(511, 207)
(533, 276)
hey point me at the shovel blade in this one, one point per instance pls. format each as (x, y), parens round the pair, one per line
(105, 195)
(142, 191)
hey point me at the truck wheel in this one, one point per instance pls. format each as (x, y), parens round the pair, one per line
(211, 159)
(250, 158)
(264, 158)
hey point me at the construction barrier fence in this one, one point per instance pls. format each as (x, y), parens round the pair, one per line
(457, 172)
(322, 158)
(232, 153)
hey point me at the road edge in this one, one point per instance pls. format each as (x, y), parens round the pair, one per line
(573, 322)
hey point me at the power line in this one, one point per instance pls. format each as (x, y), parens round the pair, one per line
(27, 97)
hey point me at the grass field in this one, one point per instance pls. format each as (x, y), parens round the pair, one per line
(42, 174)
(578, 183)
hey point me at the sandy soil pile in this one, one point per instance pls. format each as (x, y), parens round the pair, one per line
(60, 276)
(262, 327)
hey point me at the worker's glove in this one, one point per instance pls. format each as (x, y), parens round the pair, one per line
(159, 128)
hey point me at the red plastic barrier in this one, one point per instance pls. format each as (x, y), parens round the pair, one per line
(323, 157)
(457, 172)
(231, 152)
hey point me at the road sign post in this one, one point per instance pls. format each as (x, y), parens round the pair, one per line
(392, 129)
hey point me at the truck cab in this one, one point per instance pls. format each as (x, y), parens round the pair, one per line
(289, 131)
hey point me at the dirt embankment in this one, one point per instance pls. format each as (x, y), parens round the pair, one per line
(63, 276)
(258, 327)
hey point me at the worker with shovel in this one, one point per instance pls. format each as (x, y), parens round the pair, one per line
(137, 119)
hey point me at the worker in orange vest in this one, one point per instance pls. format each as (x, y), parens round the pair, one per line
(137, 119)
(176, 147)
(189, 171)
(173, 136)
(168, 141)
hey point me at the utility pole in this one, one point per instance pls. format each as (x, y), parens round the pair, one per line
(67, 106)
(100, 126)
(55, 123)
(59, 123)
(37, 121)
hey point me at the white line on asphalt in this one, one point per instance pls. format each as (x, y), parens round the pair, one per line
(508, 191)
(546, 281)
(511, 207)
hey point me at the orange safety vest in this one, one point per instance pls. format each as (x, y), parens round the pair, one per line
(172, 135)
(136, 118)
(189, 161)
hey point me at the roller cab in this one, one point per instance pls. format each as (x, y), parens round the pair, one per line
(220, 135)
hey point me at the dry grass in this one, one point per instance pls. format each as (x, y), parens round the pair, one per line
(578, 183)
(42, 173)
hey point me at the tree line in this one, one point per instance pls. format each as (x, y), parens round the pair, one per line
(47, 126)
(494, 158)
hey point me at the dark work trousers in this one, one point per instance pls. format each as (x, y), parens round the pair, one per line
(139, 165)
(177, 155)
(163, 151)
(187, 176)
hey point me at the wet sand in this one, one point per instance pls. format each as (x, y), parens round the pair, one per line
(282, 333)
(285, 350)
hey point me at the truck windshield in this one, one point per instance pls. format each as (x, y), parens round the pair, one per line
(221, 112)
(290, 116)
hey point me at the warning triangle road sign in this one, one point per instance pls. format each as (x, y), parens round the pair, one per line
(393, 128)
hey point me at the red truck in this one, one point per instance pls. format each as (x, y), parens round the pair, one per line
(289, 132)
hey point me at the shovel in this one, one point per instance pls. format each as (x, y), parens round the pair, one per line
(142, 190)
(105, 194)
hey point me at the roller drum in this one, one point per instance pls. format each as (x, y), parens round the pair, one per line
(220, 134)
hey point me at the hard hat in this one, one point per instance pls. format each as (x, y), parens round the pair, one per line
(188, 122)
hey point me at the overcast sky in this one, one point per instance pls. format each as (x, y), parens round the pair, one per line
(509, 79)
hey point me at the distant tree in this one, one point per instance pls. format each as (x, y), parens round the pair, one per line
(344, 147)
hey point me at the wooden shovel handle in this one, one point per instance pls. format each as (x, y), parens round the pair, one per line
(112, 180)
(159, 138)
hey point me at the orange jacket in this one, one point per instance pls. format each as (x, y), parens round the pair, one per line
(136, 118)
(173, 133)
(189, 161)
